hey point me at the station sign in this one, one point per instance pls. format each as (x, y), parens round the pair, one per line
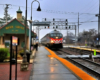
(14, 41)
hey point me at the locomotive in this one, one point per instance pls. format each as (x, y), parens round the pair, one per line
(53, 39)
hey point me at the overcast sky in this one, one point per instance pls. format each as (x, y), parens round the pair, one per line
(58, 9)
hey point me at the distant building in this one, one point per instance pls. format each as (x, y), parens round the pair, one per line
(69, 39)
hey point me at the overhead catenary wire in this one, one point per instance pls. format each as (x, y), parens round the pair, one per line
(53, 11)
(89, 6)
(58, 12)
(94, 7)
(85, 5)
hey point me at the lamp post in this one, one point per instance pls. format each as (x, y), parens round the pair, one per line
(78, 24)
(24, 64)
(38, 9)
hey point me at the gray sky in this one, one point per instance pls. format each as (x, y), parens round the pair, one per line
(58, 9)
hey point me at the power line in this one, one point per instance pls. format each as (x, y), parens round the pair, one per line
(88, 8)
(84, 22)
(89, 21)
(59, 12)
(92, 9)
(85, 6)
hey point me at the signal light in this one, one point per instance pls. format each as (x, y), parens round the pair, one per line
(53, 23)
(46, 27)
(69, 27)
(45, 19)
(66, 19)
(53, 19)
(66, 27)
(56, 26)
(66, 23)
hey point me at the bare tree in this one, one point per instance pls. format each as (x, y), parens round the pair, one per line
(80, 34)
(87, 36)
(93, 32)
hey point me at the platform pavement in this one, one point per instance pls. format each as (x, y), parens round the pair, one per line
(45, 68)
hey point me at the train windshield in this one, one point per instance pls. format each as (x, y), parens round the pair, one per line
(56, 34)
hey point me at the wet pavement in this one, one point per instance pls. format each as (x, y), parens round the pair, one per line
(45, 68)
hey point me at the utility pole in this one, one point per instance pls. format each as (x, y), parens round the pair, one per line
(99, 19)
(67, 38)
(75, 35)
(24, 64)
(6, 11)
(78, 24)
(99, 22)
(98, 15)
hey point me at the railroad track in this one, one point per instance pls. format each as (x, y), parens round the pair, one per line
(90, 67)
(61, 52)
(81, 51)
(87, 65)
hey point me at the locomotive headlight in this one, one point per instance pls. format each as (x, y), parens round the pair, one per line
(56, 37)
(52, 41)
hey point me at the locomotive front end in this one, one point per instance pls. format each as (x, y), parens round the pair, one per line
(56, 40)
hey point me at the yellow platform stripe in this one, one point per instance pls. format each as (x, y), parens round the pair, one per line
(77, 71)
(89, 49)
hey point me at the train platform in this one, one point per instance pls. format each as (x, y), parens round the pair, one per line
(48, 66)
(86, 48)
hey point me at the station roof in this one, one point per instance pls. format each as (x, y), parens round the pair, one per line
(15, 27)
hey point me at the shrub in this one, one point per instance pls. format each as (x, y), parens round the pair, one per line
(3, 54)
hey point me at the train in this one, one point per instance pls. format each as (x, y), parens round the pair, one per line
(54, 39)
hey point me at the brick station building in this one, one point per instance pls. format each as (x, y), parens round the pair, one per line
(16, 28)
